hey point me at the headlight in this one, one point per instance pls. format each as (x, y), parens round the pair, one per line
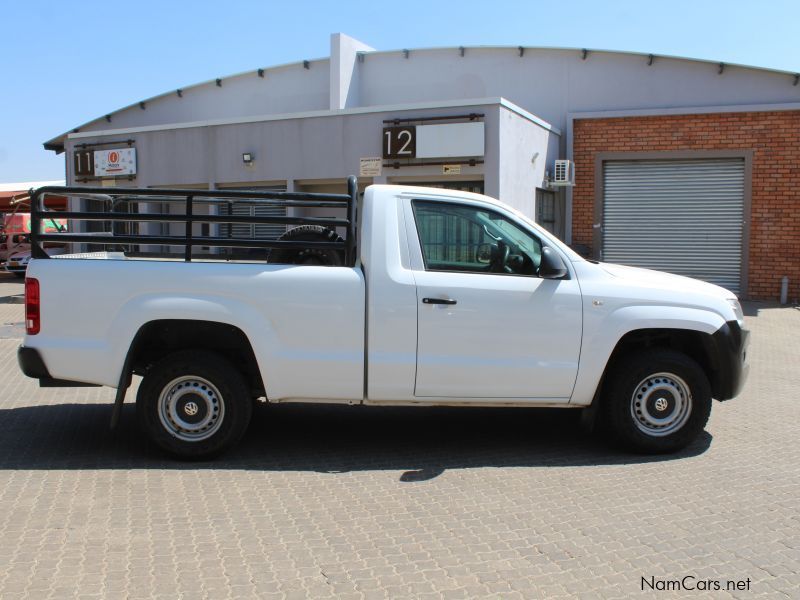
(737, 310)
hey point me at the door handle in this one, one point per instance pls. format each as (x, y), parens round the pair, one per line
(439, 301)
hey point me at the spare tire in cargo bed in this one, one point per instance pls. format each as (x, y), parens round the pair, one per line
(308, 256)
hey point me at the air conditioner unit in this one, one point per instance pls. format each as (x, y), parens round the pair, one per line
(564, 174)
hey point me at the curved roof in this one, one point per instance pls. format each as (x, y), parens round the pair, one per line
(306, 85)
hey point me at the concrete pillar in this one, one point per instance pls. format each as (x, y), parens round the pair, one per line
(344, 75)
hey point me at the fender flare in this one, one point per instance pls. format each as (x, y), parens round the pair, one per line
(138, 312)
(603, 337)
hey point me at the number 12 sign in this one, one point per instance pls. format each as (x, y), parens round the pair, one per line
(400, 142)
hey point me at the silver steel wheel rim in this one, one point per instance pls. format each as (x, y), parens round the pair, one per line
(661, 404)
(191, 408)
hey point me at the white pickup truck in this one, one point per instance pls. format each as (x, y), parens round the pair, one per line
(435, 298)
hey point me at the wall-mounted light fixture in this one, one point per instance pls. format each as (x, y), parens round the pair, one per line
(247, 158)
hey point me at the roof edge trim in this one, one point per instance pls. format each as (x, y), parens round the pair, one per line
(322, 113)
(632, 53)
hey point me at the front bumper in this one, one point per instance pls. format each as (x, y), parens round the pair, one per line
(729, 352)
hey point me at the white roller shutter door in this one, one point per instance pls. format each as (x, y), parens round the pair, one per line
(680, 216)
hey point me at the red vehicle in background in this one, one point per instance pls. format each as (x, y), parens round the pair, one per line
(15, 220)
(15, 238)
(15, 235)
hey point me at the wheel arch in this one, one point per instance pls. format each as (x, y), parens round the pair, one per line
(605, 332)
(698, 345)
(158, 338)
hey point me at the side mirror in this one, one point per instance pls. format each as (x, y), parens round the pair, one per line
(484, 253)
(551, 267)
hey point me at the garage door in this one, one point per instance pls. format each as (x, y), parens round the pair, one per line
(680, 216)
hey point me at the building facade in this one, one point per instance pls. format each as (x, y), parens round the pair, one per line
(683, 165)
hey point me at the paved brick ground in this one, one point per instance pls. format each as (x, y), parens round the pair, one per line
(323, 502)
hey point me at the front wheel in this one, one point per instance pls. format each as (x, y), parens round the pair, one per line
(194, 404)
(656, 401)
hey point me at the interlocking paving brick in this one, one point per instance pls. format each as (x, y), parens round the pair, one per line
(355, 502)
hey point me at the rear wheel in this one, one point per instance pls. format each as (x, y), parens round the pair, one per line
(655, 402)
(194, 404)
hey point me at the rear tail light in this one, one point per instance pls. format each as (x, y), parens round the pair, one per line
(32, 306)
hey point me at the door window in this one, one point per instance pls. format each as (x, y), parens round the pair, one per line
(458, 237)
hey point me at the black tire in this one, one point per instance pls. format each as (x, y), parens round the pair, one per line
(225, 404)
(308, 256)
(645, 400)
(19, 274)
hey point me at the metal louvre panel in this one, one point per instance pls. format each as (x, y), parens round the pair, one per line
(273, 230)
(679, 216)
(266, 231)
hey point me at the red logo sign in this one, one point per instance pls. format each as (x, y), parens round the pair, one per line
(113, 157)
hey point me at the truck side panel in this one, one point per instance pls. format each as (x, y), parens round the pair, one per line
(391, 300)
(305, 323)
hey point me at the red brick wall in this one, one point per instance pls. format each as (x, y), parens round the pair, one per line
(774, 138)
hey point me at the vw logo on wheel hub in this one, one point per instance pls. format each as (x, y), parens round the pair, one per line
(661, 404)
(191, 408)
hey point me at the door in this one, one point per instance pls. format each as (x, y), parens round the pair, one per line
(680, 216)
(550, 211)
(488, 326)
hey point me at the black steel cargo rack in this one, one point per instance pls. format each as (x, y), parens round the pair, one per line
(112, 198)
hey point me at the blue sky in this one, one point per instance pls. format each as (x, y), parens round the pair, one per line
(65, 63)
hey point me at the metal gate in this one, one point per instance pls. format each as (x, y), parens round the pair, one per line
(680, 216)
